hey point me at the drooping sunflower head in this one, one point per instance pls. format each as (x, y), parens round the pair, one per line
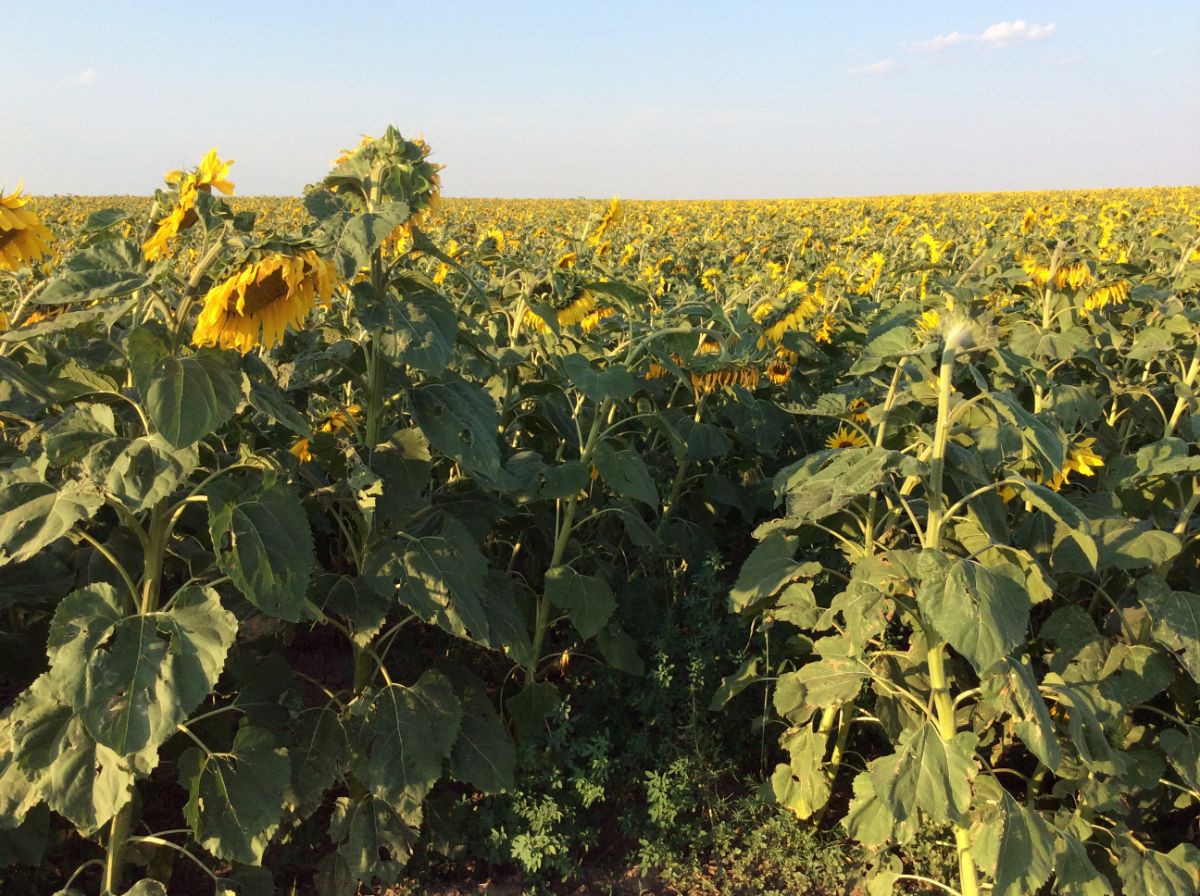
(23, 238)
(211, 174)
(390, 167)
(258, 301)
(607, 223)
(779, 371)
(845, 437)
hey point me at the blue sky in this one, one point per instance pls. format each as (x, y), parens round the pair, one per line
(654, 100)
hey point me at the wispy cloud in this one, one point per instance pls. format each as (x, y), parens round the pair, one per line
(1002, 34)
(882, 67)
(87, 76)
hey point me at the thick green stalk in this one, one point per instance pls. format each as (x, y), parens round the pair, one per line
(942, 704)
(561, 538)
(114, 861)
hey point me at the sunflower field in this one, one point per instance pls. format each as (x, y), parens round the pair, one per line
(350, 539)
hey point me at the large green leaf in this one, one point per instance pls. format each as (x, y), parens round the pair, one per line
(34, 514)
(375, 840)
(421, 331)
(1016, 845)
(460, 421)
(236, 797)
(982, 614)
(188, 398)
(139, 472)
(85, 782)
(770, 566)
(870, 821)
(829, 681)
(1011, 685)
(624, 471)
(319, 753)
(133, 679)
(615, 382)
(484, 755)
(403, 738)
(588, 600)
(1176, 620)
(825, 482)
(1153, 873)
(440, 577)
(264, 545)
(801, 783)
(928, 773)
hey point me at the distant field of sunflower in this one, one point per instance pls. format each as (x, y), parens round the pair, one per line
(320, 517)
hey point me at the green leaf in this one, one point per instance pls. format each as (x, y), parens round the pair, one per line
(624, 471)
(266, 398)
(421, 332)
(460, 421)
(1074, 873)
(25, 842)
(870, 821)
(85, 782)
(405, 735)
(236, 797)
(34, 514)
(825, 482)
(620, 650)
(484, 755)
(141, 472)
(1182, 749)
(615, 383)
(830, 681)
(1152, 873)
(133, 679)
(747, 675)
(801, 784)
(1046, 443)
(376, 840)
(770, 566)
(189, 398)
(1012, 686)
(529, 707)
(928, 773)
(983, 615)
(1176, 620)
(1063, 511)
(92, 285)
(440, 577)
(588, 600)
(264, 545)
(319, 753)
(1024, 849)
(365, 233)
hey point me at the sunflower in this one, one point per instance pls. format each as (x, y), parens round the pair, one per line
(576, 310)
(779, 371)
(1082, 460)
(611, 217)
(212, 174)
(725, 378)
(857, 411)
(928, 323)
(593, 320)
(302, 450)
(844, 437)
(23, 238)
(1112, 294)
(339, 419)
(255, 305)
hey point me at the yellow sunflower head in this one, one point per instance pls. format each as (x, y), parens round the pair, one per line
(256, 303)
(845, 437)
(211, 174)
(23, 238)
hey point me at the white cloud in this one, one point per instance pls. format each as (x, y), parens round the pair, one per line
(1002, 34)
(87, 76)
(882, 67)
(941, 42)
